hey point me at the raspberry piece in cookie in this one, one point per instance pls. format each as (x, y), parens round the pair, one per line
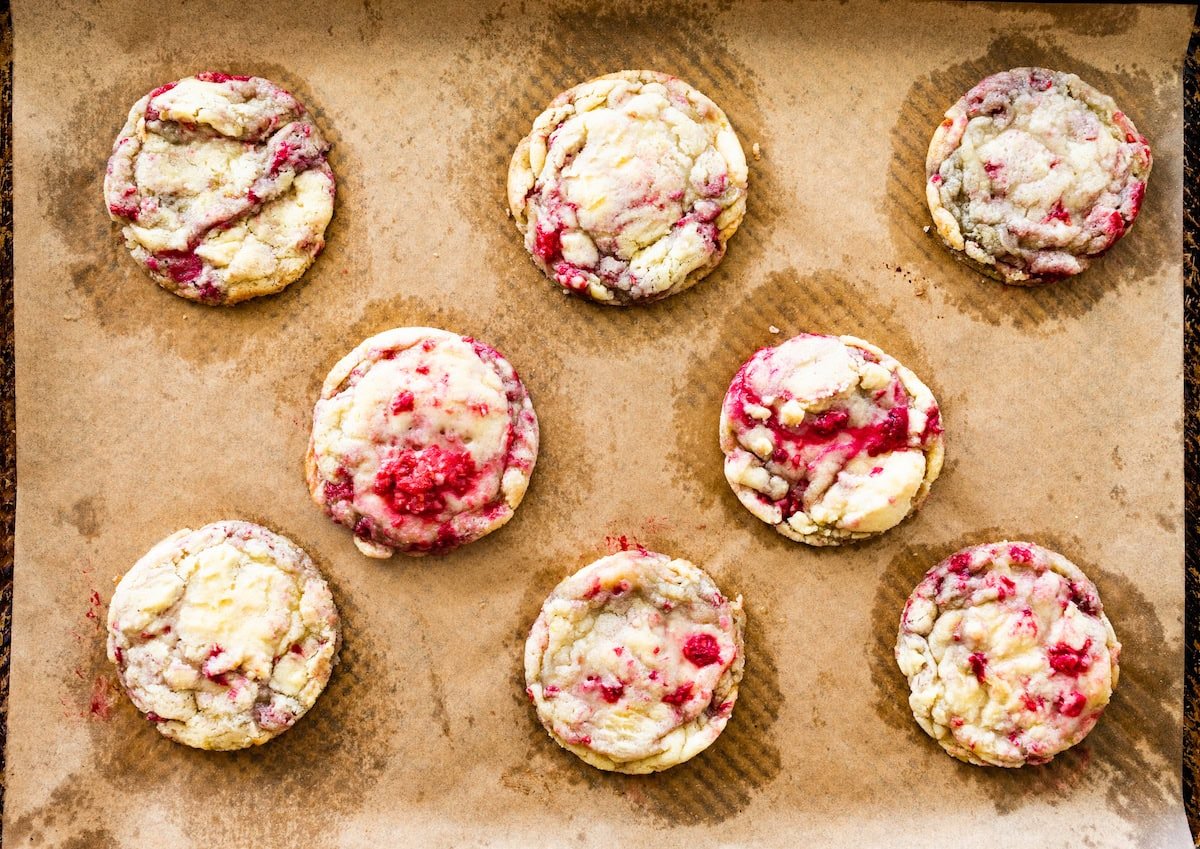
(1032, 173)
(423, 440)
(628, 187)
(222, 188)
(635, 661)
(828, 439)
(1008, 654)
(223, 636)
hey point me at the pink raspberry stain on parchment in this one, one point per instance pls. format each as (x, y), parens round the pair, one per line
(98, 692)
(645, 535)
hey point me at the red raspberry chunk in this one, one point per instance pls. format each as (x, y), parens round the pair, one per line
(612, 693)
(403, 402)
(1070, 661)
(679, 695)
(1020, 554)
(1085, 600)
(1057, 213)
(418, 482)
(180, 266)
(339, 491)
(960, 564)
(220, 77)
(830, 421)
(889, 435)
(702, 649)
(978, 662)
(1072, 704)
(547, 243)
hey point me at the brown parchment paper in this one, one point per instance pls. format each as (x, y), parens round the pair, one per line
(139, 413)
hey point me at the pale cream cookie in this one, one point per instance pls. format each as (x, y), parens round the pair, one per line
(221, 186)
(223, 636)
(628, 187)
(422, 441)
(829, 439)
(634, 662)
(1008, 654)
(1033, 173)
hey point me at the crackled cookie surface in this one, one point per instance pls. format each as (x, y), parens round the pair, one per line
(423, 440)
(1034, 172)
(223, 636)
(628, 187)
(634, 662)
(1008, 654)
(829, 439)
(221, 186)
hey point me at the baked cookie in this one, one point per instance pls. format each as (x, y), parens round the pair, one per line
(221, 186)
(423, 440)
(828, 439)
(628, 187)
(1032, 174)
(1008, 653)
(634, 662)
(224, 636)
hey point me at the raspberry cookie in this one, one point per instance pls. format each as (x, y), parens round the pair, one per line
(221, 186)
(828, 439)
(628, 187)
(423, 440)
(1009, 655)
(1033, 173)
(224, 636)
(634, 662)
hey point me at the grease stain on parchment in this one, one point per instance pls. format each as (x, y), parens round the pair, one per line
(1139, 724)
(116, 291)
(86, 515)
(1140, 256)
(566, 453)
(573, 43)
(1091, 20)
(822, 302)
(710, 788)
(347, 733)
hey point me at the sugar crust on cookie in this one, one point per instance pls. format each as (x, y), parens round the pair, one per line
(634, 662)
(828, 439)
(422, 441)
(223, 636)
(1033, 173)
(628, 187)
(1008, 653)
(222, 187)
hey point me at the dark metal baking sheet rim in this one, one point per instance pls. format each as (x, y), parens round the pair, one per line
(1191, 341)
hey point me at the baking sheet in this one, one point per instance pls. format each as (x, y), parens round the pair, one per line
(139, 414)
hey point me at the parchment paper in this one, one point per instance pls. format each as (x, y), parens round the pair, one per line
(139, 413)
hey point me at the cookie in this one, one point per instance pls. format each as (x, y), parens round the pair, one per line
(628, 187)
(634, 662)
(1008, 653)
(221, 186)
(223, 636)
(1032, 174)
(422, 441)
(828, 439)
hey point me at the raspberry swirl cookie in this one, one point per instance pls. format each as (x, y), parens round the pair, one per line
(628, 187)
(1008, 653)
(224, 636)
(634, 662)
(423, 440)
(1032, 174)
(221, 186)
(828, 439)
